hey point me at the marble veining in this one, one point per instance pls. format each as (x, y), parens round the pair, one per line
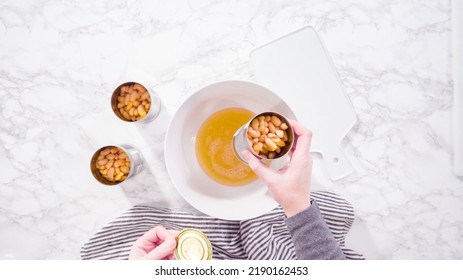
(60, 61)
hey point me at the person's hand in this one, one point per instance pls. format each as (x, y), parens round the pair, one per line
(156, 244)
(289, 186)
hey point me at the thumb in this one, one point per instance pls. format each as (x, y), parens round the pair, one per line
(261, 170)
(163, 250)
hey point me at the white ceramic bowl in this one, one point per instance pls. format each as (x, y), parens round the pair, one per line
(203, 193)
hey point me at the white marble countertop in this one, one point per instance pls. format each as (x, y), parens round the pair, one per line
(60, 61)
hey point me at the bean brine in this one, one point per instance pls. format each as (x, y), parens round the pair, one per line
(214, 147)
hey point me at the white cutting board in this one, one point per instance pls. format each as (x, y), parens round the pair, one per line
(297, 68)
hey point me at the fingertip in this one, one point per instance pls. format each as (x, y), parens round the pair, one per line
(171, 243)
(160, 252)
(246, 155)
(299, 129)
(253, 163)
(159, 227)
(309, 133)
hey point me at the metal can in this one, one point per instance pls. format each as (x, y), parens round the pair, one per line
(192, 244)
(135, 159)
(154, 109)
(241, 142)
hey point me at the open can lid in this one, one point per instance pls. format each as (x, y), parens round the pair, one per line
(192, 244)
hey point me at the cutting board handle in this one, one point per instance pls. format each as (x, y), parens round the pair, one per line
(337, 164)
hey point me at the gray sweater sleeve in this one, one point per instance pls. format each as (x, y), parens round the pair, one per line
(311, 236)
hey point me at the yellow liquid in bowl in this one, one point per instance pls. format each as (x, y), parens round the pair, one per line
(214, 147)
